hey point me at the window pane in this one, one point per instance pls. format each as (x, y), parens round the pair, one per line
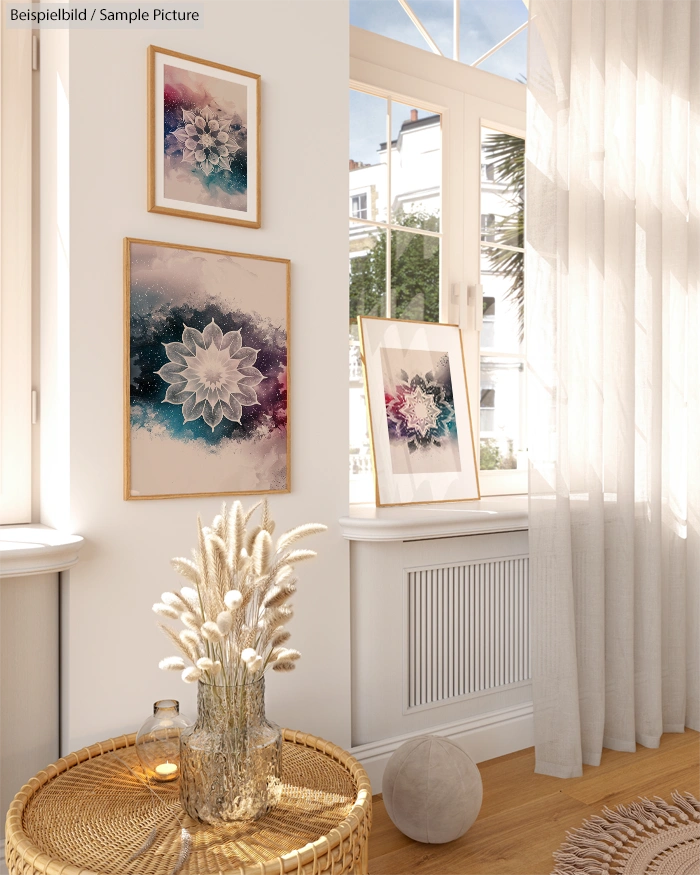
(510, 61)
(367, 271)
(502, 188)
(367, 298)
(361, 481)
(416, 167)
(503, 305)
(437, 17)
(502, 383)
(488, 227)
(415, 276)
(483, 25)
(387, 18)
(368, 167)
(502, 224)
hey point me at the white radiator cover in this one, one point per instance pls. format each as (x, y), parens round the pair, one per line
(466, 629)
(383, 708)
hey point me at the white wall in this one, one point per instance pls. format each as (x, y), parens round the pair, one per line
(28, 650)
(111, 644)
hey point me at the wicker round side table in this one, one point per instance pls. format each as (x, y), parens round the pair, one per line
(92, 813)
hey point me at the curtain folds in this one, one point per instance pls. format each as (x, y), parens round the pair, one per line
(613, 322)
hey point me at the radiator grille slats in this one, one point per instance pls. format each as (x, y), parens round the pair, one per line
(468, 629)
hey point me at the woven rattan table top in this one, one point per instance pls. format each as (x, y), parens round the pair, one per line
(88, 813)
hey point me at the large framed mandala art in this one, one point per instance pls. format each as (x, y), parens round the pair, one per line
(418, 405)
(206, 371)
(203, 139)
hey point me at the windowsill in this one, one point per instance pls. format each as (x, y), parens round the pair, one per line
(502, 513)
(36, 549)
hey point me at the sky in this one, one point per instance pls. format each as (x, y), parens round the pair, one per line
(483, 23)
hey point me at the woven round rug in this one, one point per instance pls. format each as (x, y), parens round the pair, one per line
(647, 837)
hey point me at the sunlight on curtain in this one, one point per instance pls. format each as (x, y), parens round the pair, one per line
(612, 243)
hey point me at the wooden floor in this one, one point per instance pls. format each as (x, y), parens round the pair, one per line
(524, 816)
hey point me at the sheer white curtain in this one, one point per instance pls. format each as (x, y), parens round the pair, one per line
(613, 286)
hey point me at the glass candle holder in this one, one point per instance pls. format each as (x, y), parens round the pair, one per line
(158, 741)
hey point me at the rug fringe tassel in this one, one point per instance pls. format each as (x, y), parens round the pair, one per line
(672, 812)
(612, 836)
(688, 803)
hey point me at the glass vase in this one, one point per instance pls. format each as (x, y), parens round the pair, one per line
(230, 758)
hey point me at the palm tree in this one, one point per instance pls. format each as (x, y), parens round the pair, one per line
(506, 155)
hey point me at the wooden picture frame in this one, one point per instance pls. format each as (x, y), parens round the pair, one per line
(206, 367)
(203, 139)
(420, 423)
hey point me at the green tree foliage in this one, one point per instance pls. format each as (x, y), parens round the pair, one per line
(368, 277)
(506, 155)
(491, 458)
(490, 455)
(415, 273)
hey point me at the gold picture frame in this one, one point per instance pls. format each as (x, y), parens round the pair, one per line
(441, 466)
(179, 183)
(173, 444)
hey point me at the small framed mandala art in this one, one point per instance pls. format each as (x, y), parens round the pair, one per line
(204, 139)
(419, 417)
(206, 369)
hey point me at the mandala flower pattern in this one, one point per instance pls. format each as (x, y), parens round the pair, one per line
(206, 140)
(421, 412)
(211, 374)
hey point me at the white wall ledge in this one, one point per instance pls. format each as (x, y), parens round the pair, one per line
(502, 513)
(36, 549)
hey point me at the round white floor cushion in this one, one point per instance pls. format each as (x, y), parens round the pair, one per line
(432, 790)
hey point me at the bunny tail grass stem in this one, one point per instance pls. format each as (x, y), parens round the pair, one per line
(249, 513)
(293, 535)
(145, 846)
(175, 638)
(185, 849)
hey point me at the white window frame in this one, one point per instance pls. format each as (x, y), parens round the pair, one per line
(15, 276)
(466, 98)
(363, 193)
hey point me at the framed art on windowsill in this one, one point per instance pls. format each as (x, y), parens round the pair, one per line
(206, 368)
(203, 139)
(418, 406)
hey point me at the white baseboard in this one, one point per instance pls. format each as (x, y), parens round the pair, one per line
(483, 737)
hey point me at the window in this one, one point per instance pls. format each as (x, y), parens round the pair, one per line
(358, 206)
(487, 408)
(488, 34)
(429, 245)
(394, 271)
(488, 225)
(502, 340)
(15, 286)
(488, 322)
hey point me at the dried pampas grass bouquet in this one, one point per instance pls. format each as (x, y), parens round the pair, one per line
(236, 604)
